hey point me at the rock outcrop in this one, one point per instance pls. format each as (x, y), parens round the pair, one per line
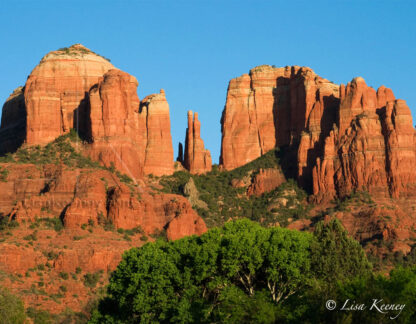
(156, 136)
(115, 128)
(266, 180)
(372, 147)
(92, 197)
(56, 92)
(197, 159)
(76, 88)
(271, 107)
(13, 122)
(346, 137)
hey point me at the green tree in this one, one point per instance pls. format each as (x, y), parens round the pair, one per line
(236, 273)
(335, 255)
(12, 310)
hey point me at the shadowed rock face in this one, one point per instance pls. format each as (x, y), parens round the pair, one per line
(346, 137)
(271, 107)
(197, 159)
(374, 147)
(13, 122)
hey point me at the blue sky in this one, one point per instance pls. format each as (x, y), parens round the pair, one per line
(193, 48)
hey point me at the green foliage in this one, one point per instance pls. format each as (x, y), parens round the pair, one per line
(50, 223)
(105, 222)
(397, 288)
(225, 202)
(12, 310)
(3, 174)
(79, 50)
(64, 275)
(335, 255)
(91, 279)
(31, 237)
(355, 198)
(60, 150)
(243, 268)
(5, 224)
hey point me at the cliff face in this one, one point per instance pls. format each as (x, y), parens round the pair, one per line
(346, 138)
(155, 134)
(76, 88)
(271, 107)
(13, 122)
(374, 147)
(55, 92)
(197, 159)
(114, 132)
(134, 136)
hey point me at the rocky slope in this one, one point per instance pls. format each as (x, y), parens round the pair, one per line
(66, 220)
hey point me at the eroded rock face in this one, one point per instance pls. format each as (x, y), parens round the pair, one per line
(266, 180)
(114, 116)
(134, 137)
(271, 107)
(346, 137)
(153, 212)
(157, 139)
(13, 122)
(197, 159)
(371, 148)
(76, 88)
(56, 92)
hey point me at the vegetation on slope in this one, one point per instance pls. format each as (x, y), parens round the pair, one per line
(225, 202)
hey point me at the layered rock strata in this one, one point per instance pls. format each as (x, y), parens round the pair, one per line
(346, 138)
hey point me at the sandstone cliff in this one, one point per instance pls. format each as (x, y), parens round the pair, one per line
(55, 92)
(346, 138)
(76, 88)
(155, 131)
(271, 107)
(197, 159)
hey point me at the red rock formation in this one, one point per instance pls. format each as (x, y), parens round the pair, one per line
(266, 180)
(55, 92)
(347, 138)
(373, 150)
(88, 205)
(197, 159)
(153, 212)
(184, 225)
(400, 147)
(76, 88)
(114, 115)
(155, 134)
(134, 137)
(13, 122)
(271, 107)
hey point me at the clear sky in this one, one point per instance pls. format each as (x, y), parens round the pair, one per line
(193, 48)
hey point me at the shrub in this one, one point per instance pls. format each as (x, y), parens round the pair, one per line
(91, 279)
(64, 275)
(12, 310)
